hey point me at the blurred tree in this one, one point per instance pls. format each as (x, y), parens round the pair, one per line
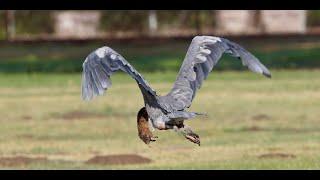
(187, 20)
(201, 18)
(2, 25)
(34, 21)
(139, 21)
(132, 20)
(10, 24)
(168, 18)
(313, 18)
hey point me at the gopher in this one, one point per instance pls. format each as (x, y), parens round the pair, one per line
(143, 127)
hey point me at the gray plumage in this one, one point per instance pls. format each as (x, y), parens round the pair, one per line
(99, 66)
(202, 55)
(166, 111)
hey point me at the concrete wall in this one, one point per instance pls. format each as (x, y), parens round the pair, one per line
(283, 21)
(260, 22)
(78, 24)
(234, 22)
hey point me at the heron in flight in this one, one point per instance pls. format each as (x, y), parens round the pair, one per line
(168, 111)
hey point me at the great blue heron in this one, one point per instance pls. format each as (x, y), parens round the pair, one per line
(168, 111)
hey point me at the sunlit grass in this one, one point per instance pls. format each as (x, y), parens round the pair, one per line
(32, 124)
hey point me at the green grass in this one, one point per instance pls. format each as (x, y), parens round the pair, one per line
(152, 56)
(290, 100)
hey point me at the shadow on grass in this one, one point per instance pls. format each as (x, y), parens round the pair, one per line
(263, 129)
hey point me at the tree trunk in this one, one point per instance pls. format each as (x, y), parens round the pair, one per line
(10, 24)
(198, 23)
(153, 22)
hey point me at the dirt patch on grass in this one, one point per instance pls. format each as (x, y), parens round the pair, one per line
(25, 136)
(26, 118)
(274, 149)
(276, 155)
(120, 159)
(21, 160)
(266, 129)
(74, 115)
(253, 128)
(246, 129)
(261, 117)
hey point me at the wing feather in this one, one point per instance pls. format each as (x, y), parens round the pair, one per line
(203, 54)
(99, 66)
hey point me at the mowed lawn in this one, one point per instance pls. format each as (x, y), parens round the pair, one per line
(253, 122)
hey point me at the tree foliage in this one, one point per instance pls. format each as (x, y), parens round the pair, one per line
(313, 18)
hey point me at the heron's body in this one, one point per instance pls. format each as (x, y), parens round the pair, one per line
(167, 111)
(163, 118)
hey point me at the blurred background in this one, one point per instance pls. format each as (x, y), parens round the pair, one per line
(159, 23)
(253, 123)
(37, 33)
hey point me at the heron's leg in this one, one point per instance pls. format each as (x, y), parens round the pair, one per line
(187, 132)
(161, 125)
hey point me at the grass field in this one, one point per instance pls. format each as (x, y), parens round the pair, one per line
(253, 123)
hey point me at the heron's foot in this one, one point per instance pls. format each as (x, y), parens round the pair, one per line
(193, 137)
(188, 134)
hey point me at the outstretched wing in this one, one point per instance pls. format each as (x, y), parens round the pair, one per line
(99, 66)
(203, 54)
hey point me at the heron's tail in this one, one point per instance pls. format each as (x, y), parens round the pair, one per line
(185, 115)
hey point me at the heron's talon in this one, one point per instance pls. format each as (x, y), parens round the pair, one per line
(193, 138)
